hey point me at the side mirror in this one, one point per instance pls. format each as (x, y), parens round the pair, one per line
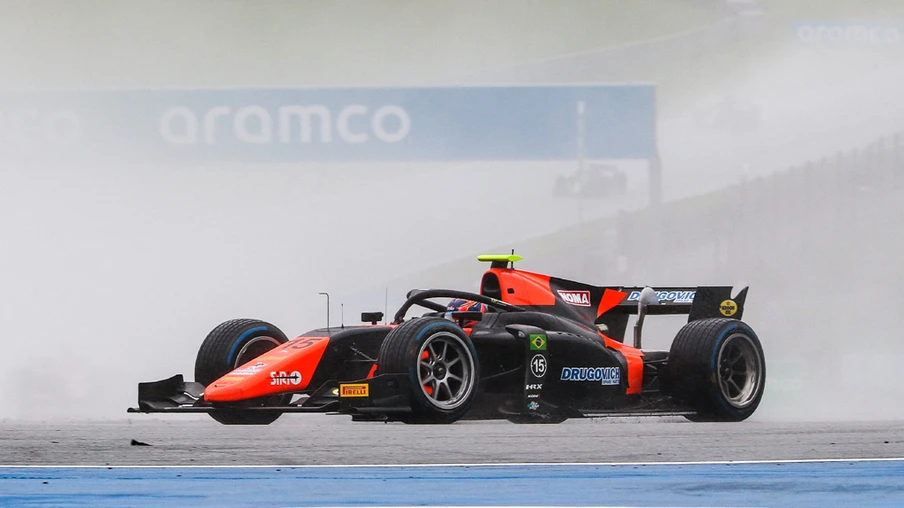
(373, 317)
(461, 317)
(523, 332)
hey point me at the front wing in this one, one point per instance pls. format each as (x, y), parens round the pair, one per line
(385, 394)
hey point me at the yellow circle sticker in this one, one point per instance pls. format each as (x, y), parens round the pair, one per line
(728, 308)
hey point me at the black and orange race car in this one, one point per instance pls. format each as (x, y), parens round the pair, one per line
(528, 347)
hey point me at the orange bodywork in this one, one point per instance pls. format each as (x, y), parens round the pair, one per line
(610, 299)
(287, 368)
(524, 288)
(634, 357)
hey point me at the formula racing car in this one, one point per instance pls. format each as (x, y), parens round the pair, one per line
(527, 347)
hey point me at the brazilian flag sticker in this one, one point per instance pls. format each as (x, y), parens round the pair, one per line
(538, 342)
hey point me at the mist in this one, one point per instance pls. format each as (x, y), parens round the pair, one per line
(114, 268)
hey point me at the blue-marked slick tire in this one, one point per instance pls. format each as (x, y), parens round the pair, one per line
(442, 366)
(230, 345)
(717, 366)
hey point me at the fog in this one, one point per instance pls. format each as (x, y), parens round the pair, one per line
(114, 268)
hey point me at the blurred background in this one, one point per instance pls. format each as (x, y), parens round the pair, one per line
(155, 179)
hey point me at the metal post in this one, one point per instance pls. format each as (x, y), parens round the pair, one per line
(655, 181)
(581, 149)
(655, 167)
(327, 295)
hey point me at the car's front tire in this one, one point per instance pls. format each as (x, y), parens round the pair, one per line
(442, 366)
(229, 346)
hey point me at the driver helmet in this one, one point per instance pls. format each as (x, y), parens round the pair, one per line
(462, 305)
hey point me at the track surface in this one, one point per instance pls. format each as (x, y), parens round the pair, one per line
(328, 440)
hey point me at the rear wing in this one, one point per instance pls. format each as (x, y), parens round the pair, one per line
(699, 302)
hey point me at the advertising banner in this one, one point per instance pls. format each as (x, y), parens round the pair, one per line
(335, 124)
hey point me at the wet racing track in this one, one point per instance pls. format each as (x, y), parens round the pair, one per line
(336, 440)
(661, 462)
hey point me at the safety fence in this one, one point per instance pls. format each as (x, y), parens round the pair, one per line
(612, 63)
(784, 217)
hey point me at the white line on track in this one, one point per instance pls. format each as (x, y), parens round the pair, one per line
(493, 465)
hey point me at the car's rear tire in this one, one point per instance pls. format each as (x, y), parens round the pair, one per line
(442, 366)
(229, 346)
(717, 366)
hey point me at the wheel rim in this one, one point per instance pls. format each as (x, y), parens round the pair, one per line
(739, 370)
(254, 348)
(445, 370)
